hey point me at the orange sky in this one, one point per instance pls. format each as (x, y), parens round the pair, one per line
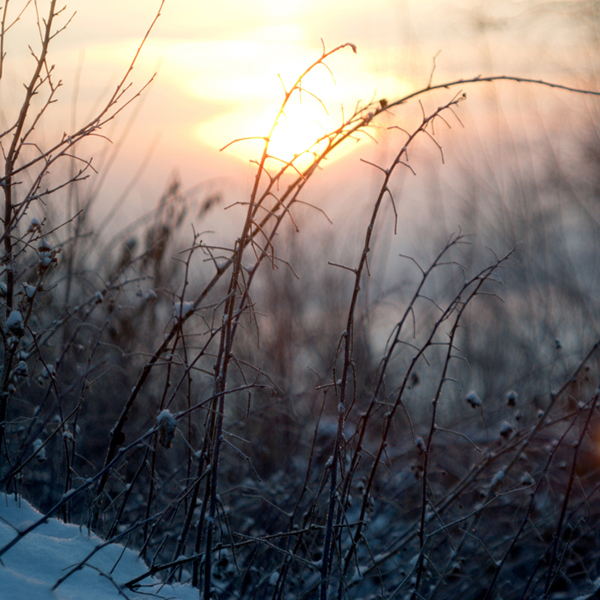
(218, 66)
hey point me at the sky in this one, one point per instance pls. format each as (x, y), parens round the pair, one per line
(32, 567)
(221, 68)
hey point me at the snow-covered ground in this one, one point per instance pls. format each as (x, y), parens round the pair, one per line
(36, 563)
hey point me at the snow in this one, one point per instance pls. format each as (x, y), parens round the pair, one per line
(182, 309)
(473, 399)
(14, 321)
(44, 246)
(167, 424)
(29, 290)
(36, 563)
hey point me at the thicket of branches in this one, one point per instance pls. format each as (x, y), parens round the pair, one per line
(265, 428)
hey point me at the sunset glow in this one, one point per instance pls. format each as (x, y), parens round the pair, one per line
(248, 81)
(222, 73)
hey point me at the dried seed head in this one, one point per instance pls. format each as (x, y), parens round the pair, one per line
(167, 424)
(14, 324)
(498, 477)
(29, 290)
(35, 225)
(40, 452)
(511, 398)
(21, 369)
(48, 371)
(527, 479)
(506, 429)
(473, 399)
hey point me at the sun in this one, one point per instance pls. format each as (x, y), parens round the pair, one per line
(241, 83)
(297, 133)
(301, 128)
(299, 136)
(300, 132)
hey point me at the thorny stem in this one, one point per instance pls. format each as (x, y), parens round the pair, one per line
(375, 395)
(348, 341)
(534, 494)
(433, 425)
(231, 316)
(550, 574)
(362, 119)
(7, 183)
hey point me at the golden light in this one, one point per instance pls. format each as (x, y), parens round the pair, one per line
(250, 93)
(296, 133)
(233, 88)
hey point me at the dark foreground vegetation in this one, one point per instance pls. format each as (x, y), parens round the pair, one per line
(270, 418)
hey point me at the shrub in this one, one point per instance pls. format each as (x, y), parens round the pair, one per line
(267, 429)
